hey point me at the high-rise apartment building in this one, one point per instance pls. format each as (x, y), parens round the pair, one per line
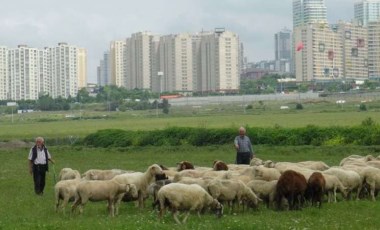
(367, 11)
(374, 50)
(63, 64)
(309, 11)
(24, 73)
(283, 50)
(355, 50)
(117, 62)
(219, 62)
(31, 72)
(321, 55)
(4, 81)
(139, 60)
(104, 71)
(82, 68)
(176, 63)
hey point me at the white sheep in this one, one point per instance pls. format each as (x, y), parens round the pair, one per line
(68, 174)
(203, 182)
(264, 173)
(349, 178)
(99, 174)
(332, 185)
(65, 190)
(256, 161)
(186, 198)
(140, 180)
(372, 178)
(232, 191)
(265, 190)
(313, 165)
(100, 190)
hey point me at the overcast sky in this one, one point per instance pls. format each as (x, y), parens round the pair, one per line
(93, 24)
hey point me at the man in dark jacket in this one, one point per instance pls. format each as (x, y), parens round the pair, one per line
(38, 158)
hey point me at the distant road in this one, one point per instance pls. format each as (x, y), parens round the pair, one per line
(198, 101)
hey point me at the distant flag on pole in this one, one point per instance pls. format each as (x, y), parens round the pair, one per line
(299, 46)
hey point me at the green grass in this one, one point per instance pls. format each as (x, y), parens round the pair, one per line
(21, 209)
(28, 128)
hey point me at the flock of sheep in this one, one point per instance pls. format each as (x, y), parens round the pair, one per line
(281, 185)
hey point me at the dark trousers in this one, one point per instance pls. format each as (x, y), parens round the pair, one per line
(39, 175)
(243, 158)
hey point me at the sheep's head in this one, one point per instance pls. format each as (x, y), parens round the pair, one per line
(132, 190)
(217, 207)
(184, 165)
(155, 170)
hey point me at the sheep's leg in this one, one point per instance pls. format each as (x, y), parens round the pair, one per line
(64, 203)
(117, 203)
(186, 216)
(75, 205)
(175, 216)
(111, 208)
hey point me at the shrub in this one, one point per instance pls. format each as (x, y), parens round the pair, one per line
(299, 106)
(362, 107)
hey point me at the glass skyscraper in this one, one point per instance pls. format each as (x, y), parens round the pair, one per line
(367, 11)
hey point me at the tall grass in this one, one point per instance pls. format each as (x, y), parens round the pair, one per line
(21, 209)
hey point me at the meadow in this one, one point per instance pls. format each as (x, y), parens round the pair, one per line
(21, 209)
(79, 123)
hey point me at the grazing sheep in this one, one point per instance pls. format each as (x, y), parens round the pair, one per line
(186, 198)
(349, 178)
(203, 182)
(332, 185)
(265, 190)
(372, 178)
(268, 174)
(98, 174)
(153, 189)
(140, 180)
(313, 165)
(316, 188)
(269, 164)
(184, 165)
(356, 158)
(197, 174)
(232, 191)
(256, 162)
(99, 190)
(291, 185)
(68, 174)
(65, 190)
(220, 166)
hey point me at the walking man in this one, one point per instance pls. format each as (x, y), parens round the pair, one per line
(243, 146)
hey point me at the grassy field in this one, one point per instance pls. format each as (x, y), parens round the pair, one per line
(29, 126)
(21, 209)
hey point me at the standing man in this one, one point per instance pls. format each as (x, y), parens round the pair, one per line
(244, 150)
(38, 158)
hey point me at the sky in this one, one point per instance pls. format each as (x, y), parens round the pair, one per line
(94, 24)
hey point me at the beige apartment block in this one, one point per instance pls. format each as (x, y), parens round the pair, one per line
(63, 65)
(176, 63)
(139, 60)
(355, 50)
(24, 72)
(321, 57)
(117, 62)
(82, 68)
(4, 81)
(219, 62)
(374, 50)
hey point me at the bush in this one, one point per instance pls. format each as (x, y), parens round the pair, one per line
(368, 134)
(362, 107)
(299, 106)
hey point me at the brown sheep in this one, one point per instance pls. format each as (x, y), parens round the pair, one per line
(220, 166)
(316, 188)
(184, 165)
(292, 186)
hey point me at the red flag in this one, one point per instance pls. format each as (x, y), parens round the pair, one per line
(299, 46)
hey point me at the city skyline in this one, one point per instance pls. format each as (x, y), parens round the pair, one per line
(94, 25)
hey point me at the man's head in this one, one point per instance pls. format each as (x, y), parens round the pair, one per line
(241, 131)
(40, 142)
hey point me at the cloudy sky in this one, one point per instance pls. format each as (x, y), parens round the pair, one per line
(93, 24)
